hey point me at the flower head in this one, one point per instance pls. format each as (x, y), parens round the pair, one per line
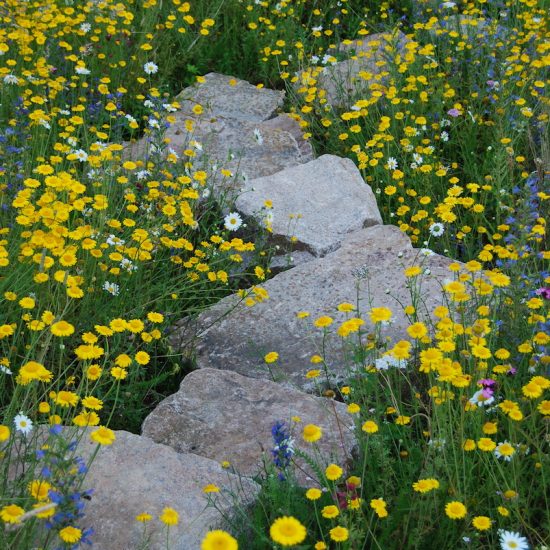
(23, 424)
(512, 541)
(232, 221)
(150, 68)
(218, 540)
(287, 531)
(169, 516)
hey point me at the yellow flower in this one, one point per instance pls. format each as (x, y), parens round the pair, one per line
(93, 372)
(86, 418)
(70, 534)
(34, 371)
(330, 511)
(425, 485)
(271, 357)
(379, 506)
(314, 373)
(323, 321)
(65, 398)
(417, 330)
(380, 314)
(313, 494)
(103, 436)
(169, 516)
(287, 531)
(123, 360)
(62, 328)
(486, 444)
(339, 534)
(210, 488)
(532, 390)
(39, 489)
(412, 271)
(312, 433)
(218, 540)
(333, 472)
(119, 373)
(455, 510)
(142, 358)
(481, 523)
(543, 408)
(4, 432)
(91, 402)
(27, 302)
(155, 317)
(11, 513)
(370, 427)
(144, 517)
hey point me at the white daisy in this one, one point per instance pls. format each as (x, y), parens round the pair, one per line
(23, 423)
(480, 399)
(437, 229)
(82, 70)
(85, 27)
(10, 79)
(5, 369)
(232, 221)
(150, 68)
(111, 288)
(392, 164)
(512, 541)
(81, 155)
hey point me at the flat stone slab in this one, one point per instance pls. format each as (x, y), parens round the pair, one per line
(238, 341)
(327, 198)
(238, 130)
(225, 416)
(137, 475)
(229, 97)
(369, 64)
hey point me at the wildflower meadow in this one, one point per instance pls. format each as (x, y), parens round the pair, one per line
(104, 250)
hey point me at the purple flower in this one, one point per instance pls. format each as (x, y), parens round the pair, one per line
(453, 112)
(544, 292)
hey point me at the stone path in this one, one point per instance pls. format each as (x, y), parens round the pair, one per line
(224, 410)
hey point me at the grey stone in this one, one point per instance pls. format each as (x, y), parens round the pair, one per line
(226, 132)
(240, 100)
(345, 79)
(286, 123)
(136, 475)
(314, 204)
(293, 258)
(225, 416)
(239, 340)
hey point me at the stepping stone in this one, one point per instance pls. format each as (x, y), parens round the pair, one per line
(238, 131)
(136, 475)
(329, 196)
(225, 416)
(238, 341)
(224, 96)
(345, 79)
(282, 262)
